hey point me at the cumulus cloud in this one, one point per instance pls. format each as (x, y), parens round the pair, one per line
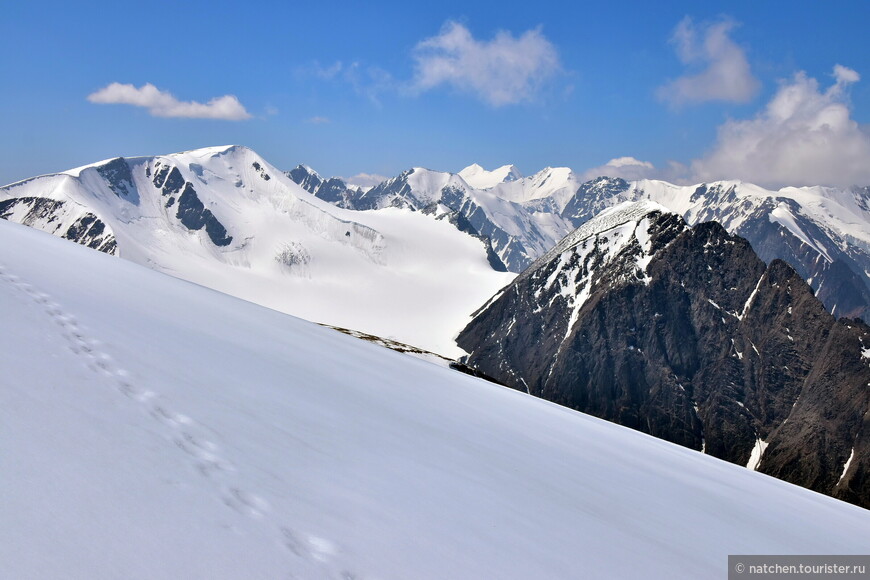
(632, 169)
(164, 104)
(802, 137)
(503, 71)
(365, 180)
(627, 168)
(718, 67)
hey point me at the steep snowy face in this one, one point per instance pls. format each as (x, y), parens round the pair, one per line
(684, 333)
(479, 178)
(823, 233)
(555, 185)
(156, 429)
(225, 218)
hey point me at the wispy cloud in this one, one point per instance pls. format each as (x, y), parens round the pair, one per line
(328, 72)
(366, 80)
(503, 71)
(802, 137)
(718, 69)
(369, 81)
(164, 104)
(318, 120)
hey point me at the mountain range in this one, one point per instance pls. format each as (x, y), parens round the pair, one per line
(822, 232)
(703, 314)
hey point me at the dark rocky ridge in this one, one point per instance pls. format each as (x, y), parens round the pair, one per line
(119, 179)
(333, 190)
(47, 215)
(839, 280)
(707, 347)
(308, 180)
(191, 211)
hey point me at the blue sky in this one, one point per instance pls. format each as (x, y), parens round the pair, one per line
(379, 87)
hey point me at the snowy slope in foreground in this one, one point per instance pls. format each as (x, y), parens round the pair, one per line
(151, 428)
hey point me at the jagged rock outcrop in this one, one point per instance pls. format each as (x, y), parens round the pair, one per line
(62, 219)
(686, 334)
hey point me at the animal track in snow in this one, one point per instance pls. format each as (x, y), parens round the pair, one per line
(168, 417)
(245, 502)
(317, 551)
(204, 454)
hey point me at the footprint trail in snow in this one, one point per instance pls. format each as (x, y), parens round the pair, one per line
(187, 435)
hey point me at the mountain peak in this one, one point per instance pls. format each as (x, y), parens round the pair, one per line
(216, 151)
(617, 215)
(479, 178)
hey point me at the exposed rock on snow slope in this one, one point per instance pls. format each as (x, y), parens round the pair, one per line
(61, 218)
(155, 429)
(824, 233)
(684, 333)
(224, 218)
(516, 232)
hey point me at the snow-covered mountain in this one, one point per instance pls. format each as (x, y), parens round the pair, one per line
(479, 178)
(517, 232)
(824, 233)
(684, 333)
(431, 252)
(225, 218)
(151, 428)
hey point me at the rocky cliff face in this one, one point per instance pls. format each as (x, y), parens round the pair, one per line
(686, 334)
(62, 219)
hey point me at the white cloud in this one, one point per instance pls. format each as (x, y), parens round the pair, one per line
(627, 168)
(724, 73)
(365, 180)
(503, 71)
(802, 137)
(318, 120)
(632, 169)
(164, 104)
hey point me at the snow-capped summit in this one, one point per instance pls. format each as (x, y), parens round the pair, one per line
(227, 219)
(555, 185)
(479, 178)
